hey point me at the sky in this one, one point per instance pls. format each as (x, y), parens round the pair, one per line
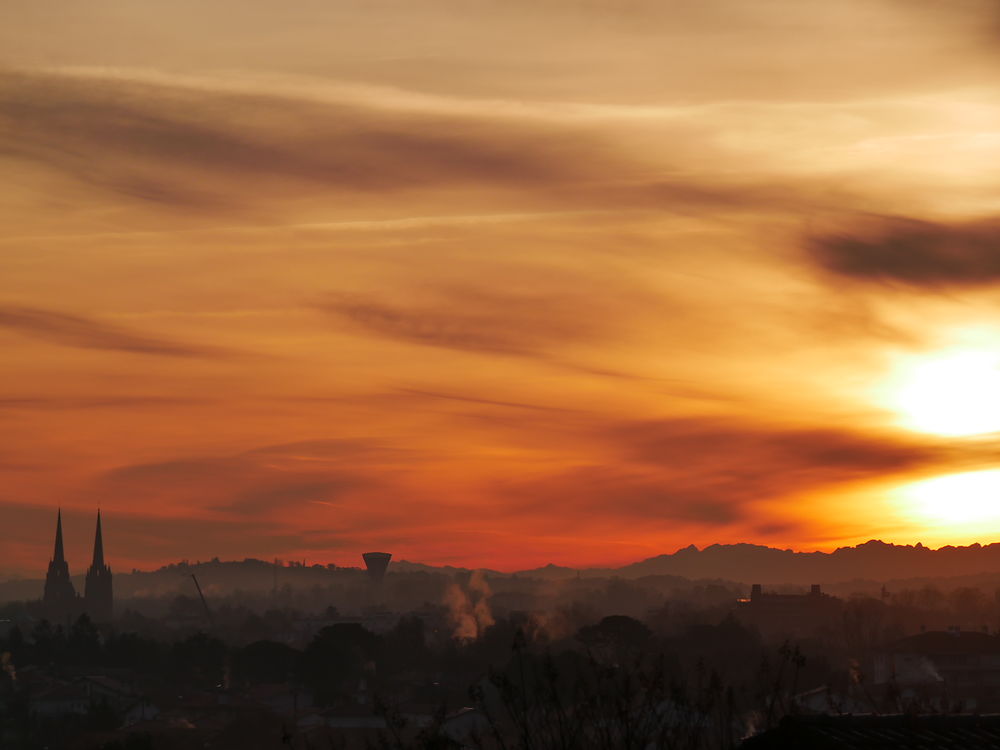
(497, 283)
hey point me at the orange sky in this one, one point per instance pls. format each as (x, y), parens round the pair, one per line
(496, 283)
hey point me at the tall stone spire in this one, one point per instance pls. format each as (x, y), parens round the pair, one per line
(57, 555)
(99, 594)
(59, 598)
(98, 544)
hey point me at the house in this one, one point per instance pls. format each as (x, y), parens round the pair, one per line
(347, 728)
(125, 700)
(60, 699)
(942, 667)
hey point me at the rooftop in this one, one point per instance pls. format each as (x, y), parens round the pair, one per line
(960, 732)
(947, 642)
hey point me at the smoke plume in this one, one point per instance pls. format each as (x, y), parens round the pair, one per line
(469, 608)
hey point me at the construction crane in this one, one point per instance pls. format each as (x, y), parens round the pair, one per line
(208, 612)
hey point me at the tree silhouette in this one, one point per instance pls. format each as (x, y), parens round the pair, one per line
(335, 661)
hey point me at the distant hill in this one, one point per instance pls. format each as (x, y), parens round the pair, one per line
(405, 566)
(873, 561)
(214, 576)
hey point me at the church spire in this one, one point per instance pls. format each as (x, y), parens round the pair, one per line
(57, 555)
(99, 594)
(98, 544)
(59, 597)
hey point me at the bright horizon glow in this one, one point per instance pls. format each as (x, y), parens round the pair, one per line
(970, 498)
(953, 394)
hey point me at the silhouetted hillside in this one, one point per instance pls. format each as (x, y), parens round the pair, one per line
(873, 560)
(215, 576)
(753, 563)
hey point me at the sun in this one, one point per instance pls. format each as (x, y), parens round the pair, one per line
(952, 394)
(970, 499)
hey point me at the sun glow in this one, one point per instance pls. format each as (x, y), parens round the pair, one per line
(971, 498)
(953, 394)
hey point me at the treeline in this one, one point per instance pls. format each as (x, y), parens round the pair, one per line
(614, 683)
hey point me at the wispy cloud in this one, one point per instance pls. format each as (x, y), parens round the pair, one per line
(479, 401)
(194, 143)
(264, 481)
(86, 333)
(472, 319)
(189, 147)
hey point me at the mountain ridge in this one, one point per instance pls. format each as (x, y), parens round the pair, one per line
(874, 559)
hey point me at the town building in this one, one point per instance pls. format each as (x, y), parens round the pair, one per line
(790, 614)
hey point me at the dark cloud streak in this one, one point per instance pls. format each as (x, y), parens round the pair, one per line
(482, 401)
(472, 320)
(712, 471)
(268, 479)
(177, 146)
(917, 254)
(217, 150)
(85, 333)
(70, 403)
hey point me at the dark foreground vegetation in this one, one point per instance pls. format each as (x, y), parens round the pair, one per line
(697, 672)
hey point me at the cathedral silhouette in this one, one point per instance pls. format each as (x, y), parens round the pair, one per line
(60, 600)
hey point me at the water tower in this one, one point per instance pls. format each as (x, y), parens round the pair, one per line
(377, 562)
